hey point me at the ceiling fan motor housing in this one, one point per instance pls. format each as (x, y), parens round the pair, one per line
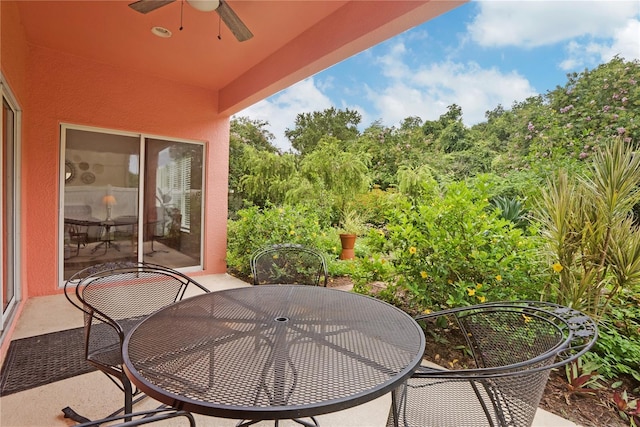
(204, 5)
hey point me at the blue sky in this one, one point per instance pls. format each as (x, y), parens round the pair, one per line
(479, 55)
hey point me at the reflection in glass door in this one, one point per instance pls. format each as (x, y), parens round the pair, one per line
(101, 198)
(173, 200)
(8, 210)
(111, 192)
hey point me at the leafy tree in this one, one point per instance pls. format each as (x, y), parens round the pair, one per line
(417, 183)
(310, 128)
(340, 174)
(254, 133)
(269, 176)
(244, 133)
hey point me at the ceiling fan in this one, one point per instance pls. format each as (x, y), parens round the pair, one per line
(231, 20)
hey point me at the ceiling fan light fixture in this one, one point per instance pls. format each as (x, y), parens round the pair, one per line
(161, 32)
(204, 5)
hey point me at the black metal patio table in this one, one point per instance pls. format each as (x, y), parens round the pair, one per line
(272, 352)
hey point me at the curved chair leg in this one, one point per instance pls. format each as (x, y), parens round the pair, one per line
(129, 401)
(73, 415)
(145, 418)
(306, 424)
(245, 423)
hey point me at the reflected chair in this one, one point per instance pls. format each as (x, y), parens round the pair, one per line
(78, 232)
(114, 298)
(156, 230)
(142, 417)
(496, 377)
(289, 264)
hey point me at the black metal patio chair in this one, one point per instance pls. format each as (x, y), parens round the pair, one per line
(289, 263)
(115, 297)
(505, 352)
(292, 264)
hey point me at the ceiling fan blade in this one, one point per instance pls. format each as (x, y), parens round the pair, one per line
(146, 6)
(232, 21)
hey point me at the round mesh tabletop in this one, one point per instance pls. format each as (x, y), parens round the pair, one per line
(272, 352)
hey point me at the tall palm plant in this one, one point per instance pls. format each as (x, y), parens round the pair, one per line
(589, 231)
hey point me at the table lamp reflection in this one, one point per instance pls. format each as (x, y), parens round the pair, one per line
(109, 200)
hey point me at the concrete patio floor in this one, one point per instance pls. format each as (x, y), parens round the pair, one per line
(94, 395)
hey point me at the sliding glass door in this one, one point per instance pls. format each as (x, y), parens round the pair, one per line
(128, 197)
(173, 203)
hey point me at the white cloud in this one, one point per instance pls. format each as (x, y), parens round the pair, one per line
(427, 91)
(625, 43)
(536, 23)
(281, 109)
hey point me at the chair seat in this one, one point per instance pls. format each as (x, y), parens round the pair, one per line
(428, 402)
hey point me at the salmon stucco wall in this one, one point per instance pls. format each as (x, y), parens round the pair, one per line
(67, 89)
(13, 50)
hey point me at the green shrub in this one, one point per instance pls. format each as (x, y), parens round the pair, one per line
(617, 350)
(451, 250)
(257, 227)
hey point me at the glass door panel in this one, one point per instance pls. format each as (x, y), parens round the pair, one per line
(173, 203)
(101, 199)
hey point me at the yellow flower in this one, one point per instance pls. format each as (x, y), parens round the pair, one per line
(412, 250)
(424, 274)
(275, 256)
(479, 286)
(526, 318)
(450, 282)
(499, 278)
(557, 267)
(292, 232)
(426, 311)
(471, 291)
(482, 298)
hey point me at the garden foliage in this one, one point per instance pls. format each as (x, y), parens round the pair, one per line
(540, 201)
(454, 249)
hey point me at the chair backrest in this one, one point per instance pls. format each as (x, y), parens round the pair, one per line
(520, 334)
(115, 297)
(506, 336)
(289, 264)
(503, 355)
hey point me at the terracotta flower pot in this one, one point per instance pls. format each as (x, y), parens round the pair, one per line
(348, 242)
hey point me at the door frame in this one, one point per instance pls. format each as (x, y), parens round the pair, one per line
(143, 137)
(16, 244)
